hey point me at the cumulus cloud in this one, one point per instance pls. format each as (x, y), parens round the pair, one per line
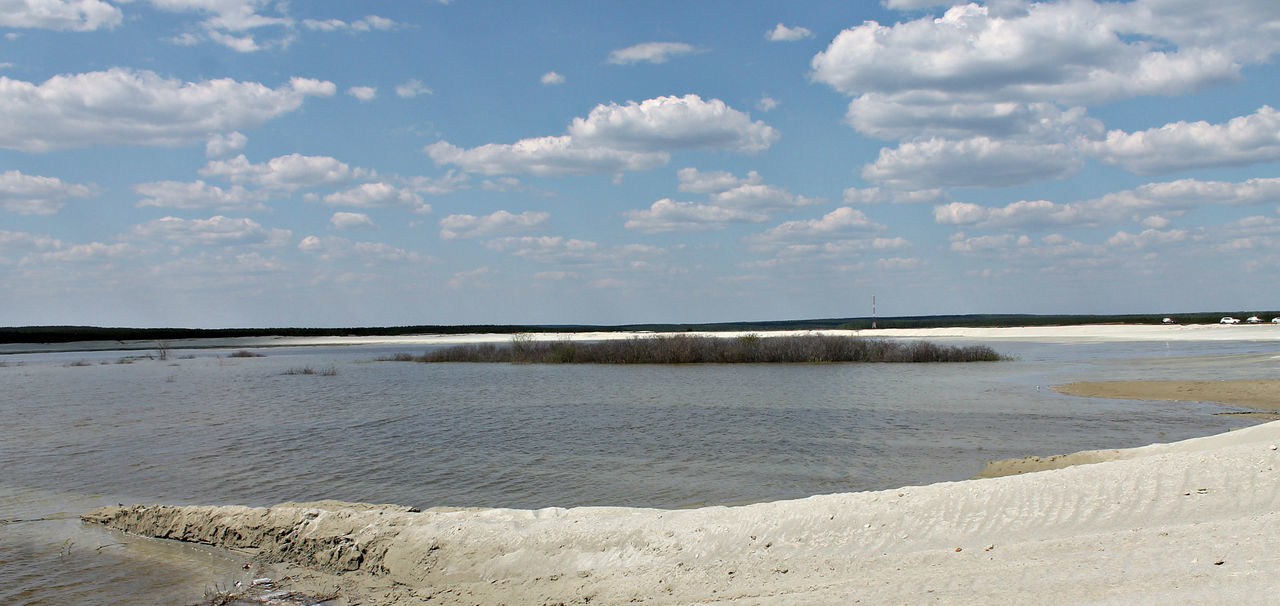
(220, 144)
(615, 138)
(547, 249)
(494, 224)
(228, 22)
(1241, 141)
(705, 182)
(1020, 74)
(199, 195)
(976, 162)
(378, 195)
(363, 93)
(1135, 205)
(126, 107)
(667, 123)
(1068, 52)
(287, 172)
(345, 221)
(544, 156)
(364, 24)
(62, 15)
(552, 78)
(668, 215)
(782, 33)
(214, 231)
(649, 52)
(767, 103)
(841, 222)
(412, 88)
(332, 248)
(37, 195)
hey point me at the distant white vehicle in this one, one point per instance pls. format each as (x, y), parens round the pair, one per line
(1229, 320)
(1253, 320)
(1168, 321)
(1275, 320)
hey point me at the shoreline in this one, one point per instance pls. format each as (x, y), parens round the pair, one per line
(1186, 521)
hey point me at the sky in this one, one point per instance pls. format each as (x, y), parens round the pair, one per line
(257, 163)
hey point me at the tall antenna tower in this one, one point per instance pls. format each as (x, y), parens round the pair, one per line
(873, 311)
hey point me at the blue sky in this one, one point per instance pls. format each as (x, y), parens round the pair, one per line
(216, 163)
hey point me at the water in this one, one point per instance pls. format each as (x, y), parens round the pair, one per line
(81, 430)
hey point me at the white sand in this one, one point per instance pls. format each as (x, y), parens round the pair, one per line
(1191, 522)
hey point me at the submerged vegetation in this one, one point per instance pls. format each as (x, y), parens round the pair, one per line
(689, 349)
(327, 371)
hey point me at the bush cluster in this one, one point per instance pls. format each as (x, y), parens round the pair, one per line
(686, 349)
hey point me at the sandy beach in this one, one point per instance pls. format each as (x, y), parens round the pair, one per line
(1189, 521)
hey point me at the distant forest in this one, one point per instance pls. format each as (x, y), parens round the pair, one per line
(69, 334)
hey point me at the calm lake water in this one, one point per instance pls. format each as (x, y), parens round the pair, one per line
(82, 430)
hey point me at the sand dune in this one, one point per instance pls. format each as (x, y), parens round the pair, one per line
(1193, 521)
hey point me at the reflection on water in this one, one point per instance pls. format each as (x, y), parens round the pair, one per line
(81, 430)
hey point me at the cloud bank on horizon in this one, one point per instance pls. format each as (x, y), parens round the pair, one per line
(268, 163)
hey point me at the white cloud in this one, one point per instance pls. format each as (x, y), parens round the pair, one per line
(758, 196)
(199, 195)
(494, 224)
(63, 15)
(1135, 205)
(615, 138)
(412, 88)
(125, 107)
(1068, 52)
(782, 33)
(83, 253)
(220, 144)
(214, 231)
(706, 182)
(378, 195)
(1018, 73)
(544, 156)
(227, 21)
(1241, 141)
(1148, 238)
(649, 52)
(288, 172)
(841, 222)
(368, 23)
(36, 195)
(767, 103)
(668, 215)
(332, 248)
(666, 123)
(363, 93)
(552, 78)
(547, 249)
(345, 220)
(976, 162)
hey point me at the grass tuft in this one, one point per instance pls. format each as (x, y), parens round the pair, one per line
(327, 371)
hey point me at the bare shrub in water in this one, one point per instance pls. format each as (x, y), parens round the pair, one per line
(685, 349)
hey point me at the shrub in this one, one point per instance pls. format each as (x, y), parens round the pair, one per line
(687, 349)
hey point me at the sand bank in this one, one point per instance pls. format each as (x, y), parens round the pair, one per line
(1192, 521)
(1259, 394)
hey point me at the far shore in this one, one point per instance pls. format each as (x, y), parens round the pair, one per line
(1045, 334)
